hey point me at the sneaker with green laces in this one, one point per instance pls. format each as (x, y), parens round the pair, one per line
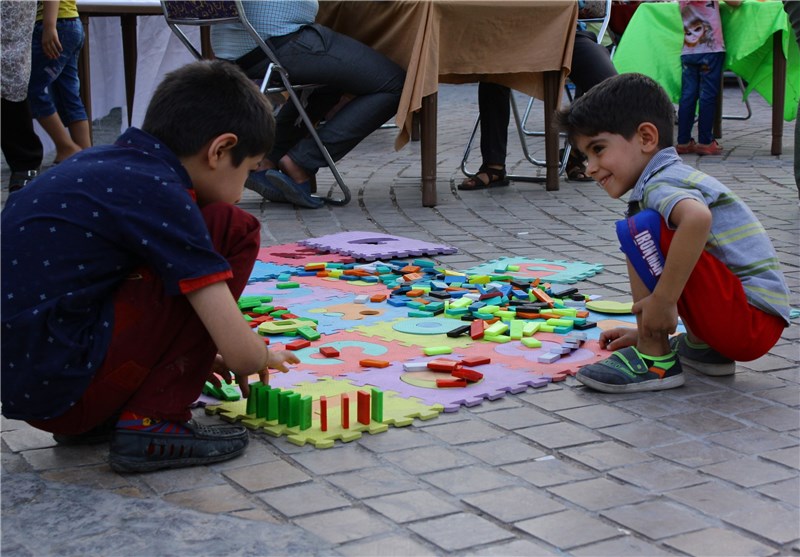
(701, 358)
(629, 371)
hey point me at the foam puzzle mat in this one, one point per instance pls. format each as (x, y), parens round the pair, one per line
(383, 327)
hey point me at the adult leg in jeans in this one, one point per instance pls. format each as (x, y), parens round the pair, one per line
(710, 73)
(319, 55)
(690, 84)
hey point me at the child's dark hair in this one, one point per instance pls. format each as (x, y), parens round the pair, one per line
(202, 100)
(618, 105)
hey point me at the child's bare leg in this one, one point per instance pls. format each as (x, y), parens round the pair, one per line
(79, 131)
(65, 146)
(647, 344)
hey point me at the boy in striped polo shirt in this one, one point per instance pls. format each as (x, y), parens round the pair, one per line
(694, 249)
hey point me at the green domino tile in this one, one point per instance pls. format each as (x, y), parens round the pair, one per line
(308, 333)
(251, 400)
(247, 317)
(438, 350)
(377, 405)
(285, 285)
(421, 314)
(294, 410)
(264, 309)
(262, 401)
(273, 404)
(305, 412)
(229, 392)
(283, 407)
(500, 339)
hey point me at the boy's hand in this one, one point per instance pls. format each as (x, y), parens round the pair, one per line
(51, 45)
(279, 358)
(658, 317)
(618, 338)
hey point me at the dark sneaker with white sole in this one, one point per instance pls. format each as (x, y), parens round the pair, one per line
(629, 371)
(258, 183)
(701, 358)
(176, 445)
(296, 193)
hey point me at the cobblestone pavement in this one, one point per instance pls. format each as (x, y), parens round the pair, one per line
(707, 469)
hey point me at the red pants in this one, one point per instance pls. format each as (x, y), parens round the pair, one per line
(160, 353)
(714, 307)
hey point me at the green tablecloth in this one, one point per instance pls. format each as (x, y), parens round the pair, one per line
(653, 40)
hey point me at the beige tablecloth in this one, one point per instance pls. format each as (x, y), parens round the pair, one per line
(510, 42)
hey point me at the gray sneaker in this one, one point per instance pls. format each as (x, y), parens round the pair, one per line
(701, 358)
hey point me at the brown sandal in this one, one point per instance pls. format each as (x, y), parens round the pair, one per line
(496, 176)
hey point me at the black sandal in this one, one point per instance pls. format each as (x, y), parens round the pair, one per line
(576, 168)
(496, 176)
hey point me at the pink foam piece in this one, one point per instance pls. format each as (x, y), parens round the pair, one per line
(370, 246)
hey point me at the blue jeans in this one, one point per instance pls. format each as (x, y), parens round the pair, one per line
(700, 80)
(316, 54)
(54, 85)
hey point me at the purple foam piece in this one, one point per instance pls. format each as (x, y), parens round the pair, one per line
(498, 380)
(370, 246)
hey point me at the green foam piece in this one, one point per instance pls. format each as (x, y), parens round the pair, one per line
(273, 404)
(377, 405)
(306, 403)
(283, 407)
(438, 350)
(308, 333)
(294, 410)
(285, 285)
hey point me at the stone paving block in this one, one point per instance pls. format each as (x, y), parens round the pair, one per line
(517, 547)
(372, 482)
(460, 433)
(559, 435)
(98, 477)
(460, 531)
(658, 477)
(214, 499)
(790, 396)
(644, 434)
(657, 519)
(267, 476)
(26, 437)
(301, 499)
(515, 418)
(411, 506)
(336, 459)
(749, 472)
(568, 529)
(548, 471)
(597, 416)
(257, 452)
(61, 456)
(790, 456)
(752, 440)
(626, 546)
(468, 479)
(718, 542)
(694, 453)
(259, 515)
(503, 451)
(345, 525)
(502, 403)
(702, 423)
(605, 455)
(598, 494)
(731, 402)
(387, 546)
(778, 418)
(514, 504)
(553, 400)
(400, 438)
(749, 382)
(181, 479)
(718, 500)
(787, 491)
(656, 406)
(771, 521)
(428, 459)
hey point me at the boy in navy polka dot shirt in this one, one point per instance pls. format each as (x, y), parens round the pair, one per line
(121, 269)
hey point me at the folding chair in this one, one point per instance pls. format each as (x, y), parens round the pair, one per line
(593, 11)
(208, 13)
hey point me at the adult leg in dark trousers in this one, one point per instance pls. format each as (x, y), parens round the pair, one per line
(21, 146)
(591, 64)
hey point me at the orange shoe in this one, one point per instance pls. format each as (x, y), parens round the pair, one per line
(685, 148)
(712, 148)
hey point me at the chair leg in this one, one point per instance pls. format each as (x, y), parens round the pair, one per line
(746, 102)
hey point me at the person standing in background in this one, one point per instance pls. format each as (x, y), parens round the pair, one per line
(20, 144)
(54, 88)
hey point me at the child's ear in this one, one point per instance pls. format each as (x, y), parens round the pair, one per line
(219, 147)
(648, 136)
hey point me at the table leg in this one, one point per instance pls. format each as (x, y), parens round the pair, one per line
(84, 74)
(428, 118)
(552, 88)
(778, 92)
(129, 58)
